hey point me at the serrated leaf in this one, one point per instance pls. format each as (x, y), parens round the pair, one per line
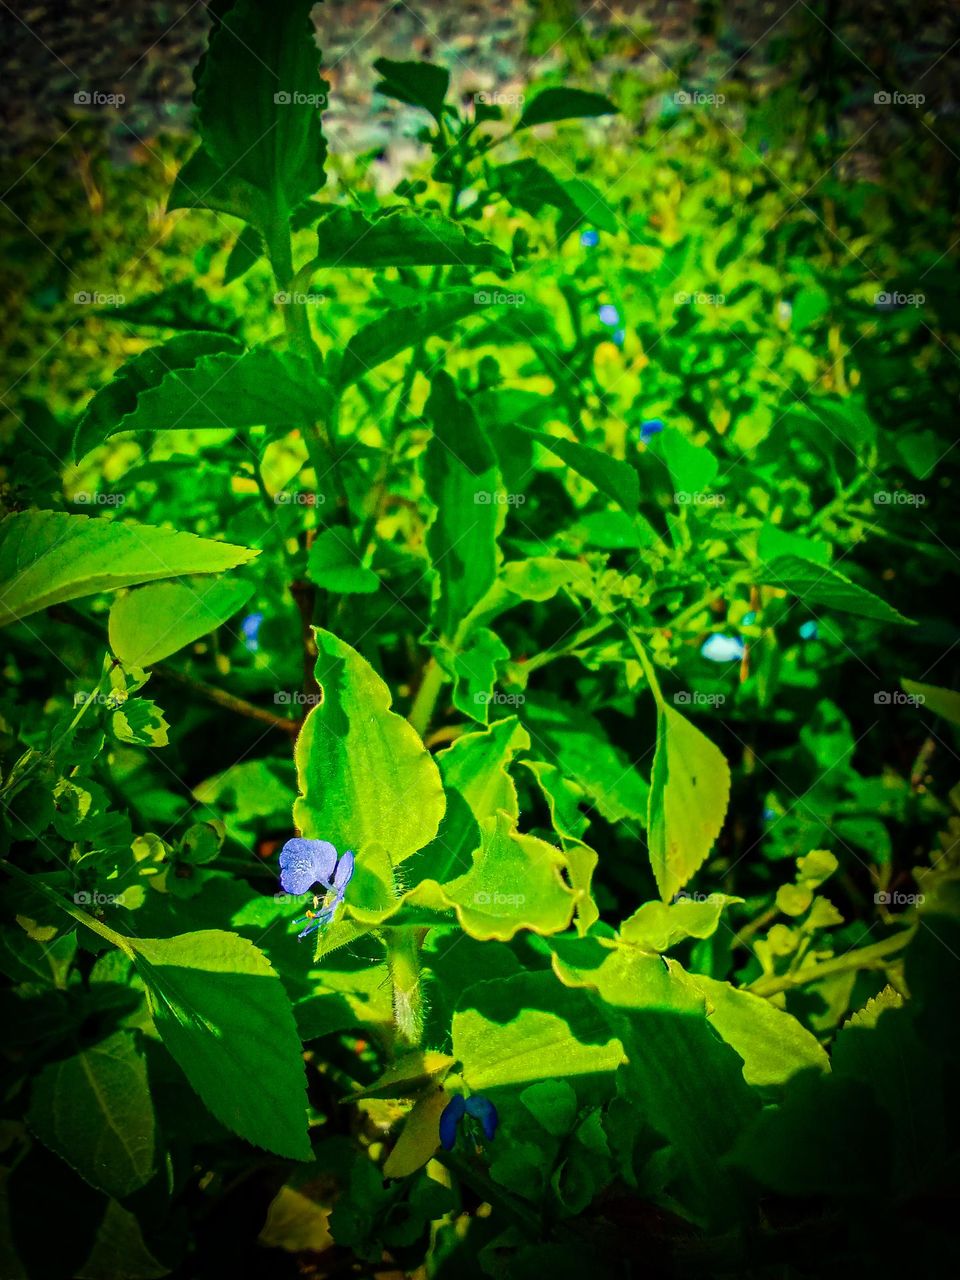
(223, 1014)
(140, 722)
(689, 792)
(47, 557)
(180, 306)
(150, 623)
(365, 776)
(258, 111)
(815, 584)
(95, 1111)
(564, 104)
(658, 926)
(334, 564)
(402, 327)
(401, 237)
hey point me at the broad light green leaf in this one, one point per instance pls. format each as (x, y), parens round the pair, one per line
(258, 98)
(528, 1028)
(692, 467)
(773, 1045)
(402, 327)
(365, 776)
(943, 702)
(333, 563)
(420, 1136)
(140, 721)
(419, 84)
(401, 237)
(689, 792)
(259, 387)
(475, 673)
(47, 557)
(658, 926)
(815, 584)
(223, 1014)
(564, 104)
(615, 479)
(149, 623)
(111, 404)
(463, 483)
(95, 1111)
(774, 542)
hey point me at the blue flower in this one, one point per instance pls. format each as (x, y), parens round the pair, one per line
(617, 337)
(305, 863)
(250, 630)
(589, 239)
(609, 315)
(649, 428)
(808, 630)
(718, 648)
(749, 619)
(477, 1107)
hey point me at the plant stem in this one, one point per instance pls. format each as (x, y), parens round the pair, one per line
(403, 961)
(229, 702)
(872, 957)
(425, 701)
(108, 934)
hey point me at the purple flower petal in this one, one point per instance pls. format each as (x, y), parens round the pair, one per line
(343, 874)
(304, 863)
(609, 315)
(651, 427)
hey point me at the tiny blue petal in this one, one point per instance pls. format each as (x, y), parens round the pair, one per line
(482, 1109)
(808, 630)
(589, 239)
(618, 336)
(609, 315)
(718, 648)
(250, 630)
(649, 428)
(450, 1117)
(749, 618)
(304, 863)
(769, 815)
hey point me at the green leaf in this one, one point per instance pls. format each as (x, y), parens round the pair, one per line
(692, 467)
(111, 404)
(809, 305)
(463, 483)
(180, 306)
(258, 111)
(47, 557)
(774, 542)
(658, 926)
(419, 1138)
(334, 564)
(815, 584)
(140, 721)
(529, 1028)
(223, 391)
(94, 1110)
(419, 84)
(615, 479)
(223, 1014)
(564, 104)
(149, 623)
(943, 702)
(475, 673)
(247, 248)
(689, 792)
(365, 776)
(401, 237)
(119, 1251)
(773, 1045)
(402, 327)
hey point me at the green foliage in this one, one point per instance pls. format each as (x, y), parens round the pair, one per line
(541, 535)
